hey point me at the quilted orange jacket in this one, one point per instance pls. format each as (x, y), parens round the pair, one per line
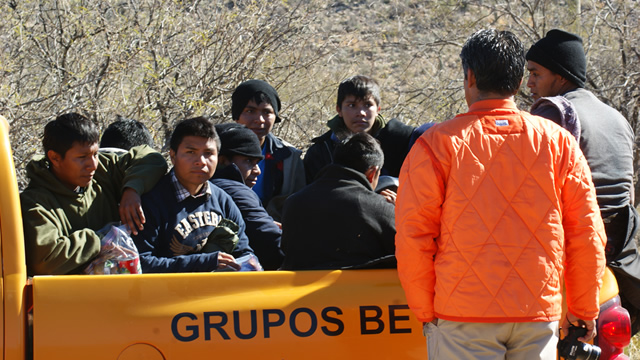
(494, 207)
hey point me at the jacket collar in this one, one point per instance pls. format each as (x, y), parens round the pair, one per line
(229, 172)
(492, 105)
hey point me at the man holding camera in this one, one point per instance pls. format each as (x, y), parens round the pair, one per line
(494, 207)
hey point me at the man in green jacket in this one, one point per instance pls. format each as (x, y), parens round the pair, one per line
(74, 190)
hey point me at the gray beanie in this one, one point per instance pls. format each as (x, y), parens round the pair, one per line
(562, 53)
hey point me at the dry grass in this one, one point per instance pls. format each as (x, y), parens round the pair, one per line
(633, 350)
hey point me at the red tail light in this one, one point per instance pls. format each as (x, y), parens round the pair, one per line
(617, 327)
(614, 330)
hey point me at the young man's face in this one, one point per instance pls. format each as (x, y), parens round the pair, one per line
(78, 165)
(259, 118)
(195, 161)
(359, 114)
(542, 81)
(248, 167)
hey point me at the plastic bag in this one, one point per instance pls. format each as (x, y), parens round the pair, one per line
(249, 262)
(118, 253)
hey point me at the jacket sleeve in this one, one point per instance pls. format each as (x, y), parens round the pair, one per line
(585, 237)
(418, 210)
(139, 169)
(49, 251)
(232, 213)
(263, 233)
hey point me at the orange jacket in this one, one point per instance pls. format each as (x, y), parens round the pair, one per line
(493, 206)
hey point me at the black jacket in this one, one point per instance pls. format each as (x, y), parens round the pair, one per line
(264, 235)
(335, 222)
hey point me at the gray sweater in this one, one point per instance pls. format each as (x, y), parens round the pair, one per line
(607, 142)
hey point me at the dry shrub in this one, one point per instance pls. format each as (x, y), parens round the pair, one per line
(160, 61)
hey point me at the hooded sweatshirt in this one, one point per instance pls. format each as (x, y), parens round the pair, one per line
(60, 224)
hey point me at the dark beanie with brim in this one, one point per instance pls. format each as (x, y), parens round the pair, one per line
(247, 91)
(235, 139)
(561, 52)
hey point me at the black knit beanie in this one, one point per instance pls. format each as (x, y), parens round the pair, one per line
(247, 91)
(562, 53)
(235, 139)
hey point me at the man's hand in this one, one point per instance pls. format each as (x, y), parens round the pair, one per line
(131, 212)
(226, 261)
(389, 195)
(590, 325)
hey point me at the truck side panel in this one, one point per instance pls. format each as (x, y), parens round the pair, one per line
(357, 314)
(14, 272)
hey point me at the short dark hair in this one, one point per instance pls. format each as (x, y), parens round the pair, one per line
(198, 126)
(66, 129)
(126, 133)
(361, 87)
(360, 152)
(496, 59)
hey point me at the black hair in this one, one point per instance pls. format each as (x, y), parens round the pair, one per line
(360, 152)
(126, 133)
(60, 134)
(198, 126)
(361, 87)
(496, 59)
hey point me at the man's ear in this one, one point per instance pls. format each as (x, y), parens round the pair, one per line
(471, 78)
(371, 173)
(54, 158)
(223, 160)
(339, 110)
(172, 156)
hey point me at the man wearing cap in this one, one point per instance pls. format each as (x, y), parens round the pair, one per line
(557, 66)
(236, 174)
(256, 105)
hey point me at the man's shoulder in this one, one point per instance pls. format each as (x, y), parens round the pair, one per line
(232, 187)
(325, 137)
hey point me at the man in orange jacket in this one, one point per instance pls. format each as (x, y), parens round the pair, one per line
(494, 207)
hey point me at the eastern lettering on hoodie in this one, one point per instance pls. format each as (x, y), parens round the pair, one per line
(191, 222)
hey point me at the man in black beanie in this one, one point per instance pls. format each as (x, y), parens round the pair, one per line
(256, 105)
(557, 66)
(236, 174)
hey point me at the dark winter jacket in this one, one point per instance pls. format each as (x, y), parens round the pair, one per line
(263, 233)
(335, 222)
(283, 174)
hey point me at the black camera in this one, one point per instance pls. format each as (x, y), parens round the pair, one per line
(572, 349)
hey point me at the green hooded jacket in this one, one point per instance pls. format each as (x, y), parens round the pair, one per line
(60, 225)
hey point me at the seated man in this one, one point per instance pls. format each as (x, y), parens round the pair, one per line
(74, 190)
(192, 225)
(338, 221)
(236, 175)
(123, 134)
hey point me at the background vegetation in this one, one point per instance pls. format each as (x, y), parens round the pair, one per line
(160, 61)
